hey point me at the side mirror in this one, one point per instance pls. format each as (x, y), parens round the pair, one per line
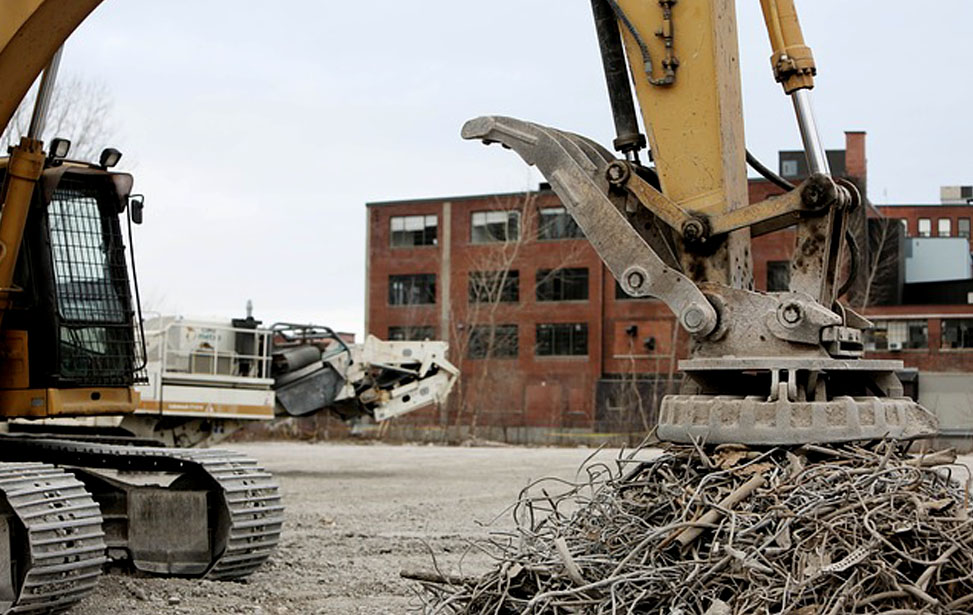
(136, 203)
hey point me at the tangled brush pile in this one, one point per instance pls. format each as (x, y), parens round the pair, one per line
(730, 530)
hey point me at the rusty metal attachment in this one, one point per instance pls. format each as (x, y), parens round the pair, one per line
(578, 170)
(776, 401)
(767, 368)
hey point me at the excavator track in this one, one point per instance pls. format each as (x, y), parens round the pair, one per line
(246, 512)
(57, 527)
(252, 499)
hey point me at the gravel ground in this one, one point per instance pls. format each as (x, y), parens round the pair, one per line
(356, 515)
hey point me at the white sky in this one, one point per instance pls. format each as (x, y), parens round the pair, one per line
(258, 130)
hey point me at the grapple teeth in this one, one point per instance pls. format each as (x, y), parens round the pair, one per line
(576, 169)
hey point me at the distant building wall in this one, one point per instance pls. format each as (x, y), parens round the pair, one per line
(632, 345)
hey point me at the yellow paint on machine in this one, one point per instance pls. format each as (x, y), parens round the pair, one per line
(40, 403)
(207, 409)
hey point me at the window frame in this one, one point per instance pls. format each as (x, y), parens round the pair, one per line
(556, 280)
(778, 266)
(486, 291)
(959, 227)
(877, 338)
(949, 227)
(965, 332)
(429, 239)
(475, 351)
(928, 232)
(566, 230)
(555, 345)
(513, 223)
(410, 333)
(414, 280)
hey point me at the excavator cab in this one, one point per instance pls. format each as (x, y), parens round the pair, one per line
(69, 345)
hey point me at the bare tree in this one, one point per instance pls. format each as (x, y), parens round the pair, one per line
(649, 378)
(880, 259)
(80, 112)
(483, 328)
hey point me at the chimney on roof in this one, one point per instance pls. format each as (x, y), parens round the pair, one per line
(856, 165)
(956, 195)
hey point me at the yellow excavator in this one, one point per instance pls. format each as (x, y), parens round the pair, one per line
(69, 348)
(766, 368)
(73, 346)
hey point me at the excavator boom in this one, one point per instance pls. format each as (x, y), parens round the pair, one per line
(31, 32)
(766, 368)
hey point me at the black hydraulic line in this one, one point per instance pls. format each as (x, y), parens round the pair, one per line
(628, 138)
(853, 262)
(769, 175)
(138, 297)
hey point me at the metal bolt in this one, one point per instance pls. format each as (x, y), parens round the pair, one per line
(635, 280)
(693, 230)
(617, 173)
(818, 192)
(792, 313)
(693, 318)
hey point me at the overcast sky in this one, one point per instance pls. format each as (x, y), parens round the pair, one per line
(259, 130)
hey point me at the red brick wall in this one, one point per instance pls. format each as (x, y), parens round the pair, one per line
(934, 358)
(912, 213)
(558, 392)
(553, 392)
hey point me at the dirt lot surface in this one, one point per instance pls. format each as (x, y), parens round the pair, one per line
(356, 515)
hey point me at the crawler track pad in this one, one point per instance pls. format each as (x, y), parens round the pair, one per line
(53, 529)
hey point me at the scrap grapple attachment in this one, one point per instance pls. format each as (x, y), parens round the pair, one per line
(767, 368)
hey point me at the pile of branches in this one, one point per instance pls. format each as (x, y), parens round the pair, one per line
(730, 530)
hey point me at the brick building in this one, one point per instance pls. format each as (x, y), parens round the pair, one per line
(548, 345)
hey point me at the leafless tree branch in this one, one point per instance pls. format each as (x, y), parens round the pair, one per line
(81, 111)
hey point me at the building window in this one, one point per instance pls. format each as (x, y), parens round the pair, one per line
(897, 335)
(957, 333)
(414, 289)
(788, 168)
(492, 342)
(409, 231)
(963, 227)
(411, 334)
(494, 286)
(925, 227)
(621, 295)
(944, 227)
(562, 339)
(562, 284)
(778, 276)
(489, 226)
(905, 226)
(557, 223)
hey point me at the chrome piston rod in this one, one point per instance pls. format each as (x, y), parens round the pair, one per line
(45, 94)
(817, 158)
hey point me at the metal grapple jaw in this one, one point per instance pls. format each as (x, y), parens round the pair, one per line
(767, 368)
(577, 169)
